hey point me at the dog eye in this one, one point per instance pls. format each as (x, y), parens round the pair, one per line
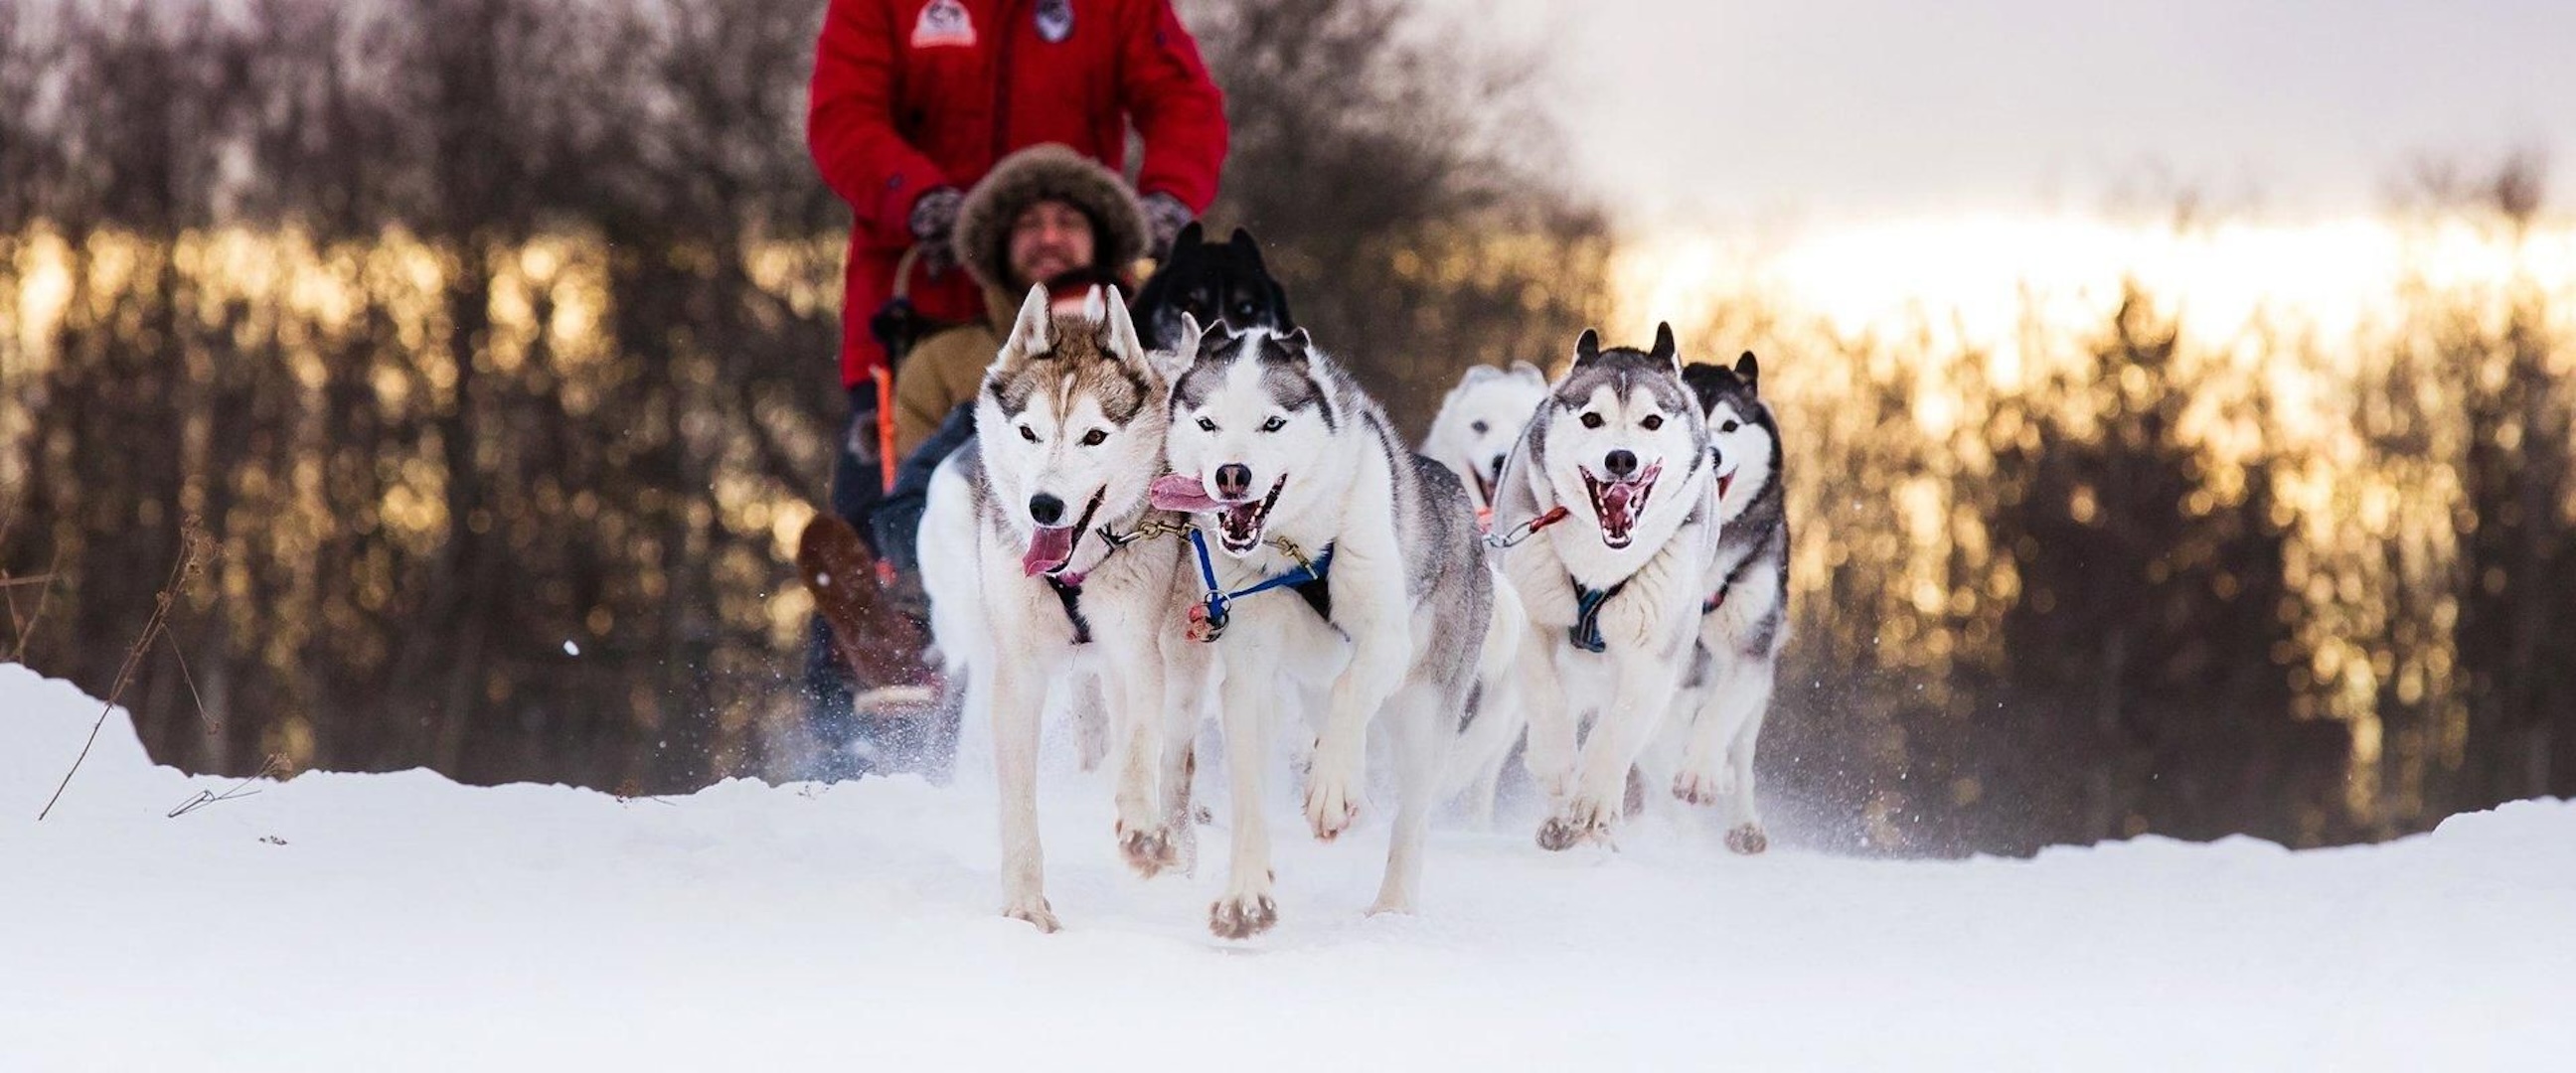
(1730, 426)
(1653, 422)
(1478, 428)
(1206, 425)
(1028, 434)
(1592, 420)
(1274, 424)
(1094, 438)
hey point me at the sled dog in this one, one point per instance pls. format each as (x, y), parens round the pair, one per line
(1743, 620)
(1609, 493)
(1070, 423)
(1479, 422)
(1306, 508)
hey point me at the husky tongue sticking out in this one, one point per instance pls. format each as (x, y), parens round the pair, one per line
(1049, 549)
(1238, 524)
(1617, 503)
(1051, 546)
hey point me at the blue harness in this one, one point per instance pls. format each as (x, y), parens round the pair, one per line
(1308, 579)
(1586, 631)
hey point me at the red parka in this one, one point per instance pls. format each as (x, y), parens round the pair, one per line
(910, 95)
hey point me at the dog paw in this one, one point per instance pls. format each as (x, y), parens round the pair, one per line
(1699, 785)
(1332, 797)
(1587, 820)
(1147, 850)
(1747, 839)
(1037, 914)
(1242, 916)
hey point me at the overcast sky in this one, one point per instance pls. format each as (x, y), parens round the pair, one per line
(1717, 110)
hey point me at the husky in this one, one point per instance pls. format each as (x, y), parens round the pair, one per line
(1210, 282)
(1607, 510)
(1743, 621)
(1295, 480)
(1050, 586)
(1479, 422)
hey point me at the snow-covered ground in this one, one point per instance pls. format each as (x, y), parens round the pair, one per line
(405, 922)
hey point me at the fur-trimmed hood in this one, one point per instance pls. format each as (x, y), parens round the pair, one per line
(1033, 174)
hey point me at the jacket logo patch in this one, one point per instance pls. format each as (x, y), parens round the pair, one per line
(1055, 20)
(943, 24)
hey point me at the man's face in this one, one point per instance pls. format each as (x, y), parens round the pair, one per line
(1048, 239)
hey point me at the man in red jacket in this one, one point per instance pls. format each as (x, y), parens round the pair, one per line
(912, 102)
(914, 99)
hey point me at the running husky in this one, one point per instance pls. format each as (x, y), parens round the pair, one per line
(1480, 421)
(1298, 481)
(1743, 621)
(1608, 500)
(1071, 419)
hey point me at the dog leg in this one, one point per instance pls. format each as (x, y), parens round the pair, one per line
(1382, 648)
(1641, 691)
(1086, 698)
(1421, 717)
(1249, 906)
(1017, 700)
(1143, 839)
(1746, 835)
(1741, 688)
(1184, 695)
(1551, 747)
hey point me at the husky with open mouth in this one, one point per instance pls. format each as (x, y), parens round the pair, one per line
(1480, 421)
(1309, 509)
(1044, 583)
(1744, 618)
(1609, 497)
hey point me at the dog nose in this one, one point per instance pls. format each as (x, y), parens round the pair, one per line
(1620, 463)
(1234, 480)
(1498, 465)
(1045, 509)
(1716, 456)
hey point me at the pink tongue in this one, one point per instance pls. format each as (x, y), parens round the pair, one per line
(1178, 491)
(1048, 549)
(1616, 497)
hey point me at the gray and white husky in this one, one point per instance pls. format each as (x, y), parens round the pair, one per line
(1070, 424)
(1288, 471)
(1612, 481)
(1479, 422)
(1744, 619)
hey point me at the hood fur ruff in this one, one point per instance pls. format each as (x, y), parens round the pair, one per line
(1037, 173)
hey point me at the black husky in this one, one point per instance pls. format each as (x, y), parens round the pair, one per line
(1211, 282)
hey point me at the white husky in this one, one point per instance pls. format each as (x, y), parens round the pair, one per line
(1308, 509)
(1069, 436)
(1479, 423)
(1612, 484)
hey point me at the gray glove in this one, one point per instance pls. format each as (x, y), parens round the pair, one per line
(934, 223)
(1165, 216)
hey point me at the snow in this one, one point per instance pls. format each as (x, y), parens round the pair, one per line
(400, 921)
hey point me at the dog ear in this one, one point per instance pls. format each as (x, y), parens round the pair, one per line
(1750, 370)
(1189, 238)
(1029, 332)
(1478, 373)
(1529, 372)
(1279, 304)
(1292, 347)
(1587, 347)
(1664, 349)
(1119, 331)
(1243, 243)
